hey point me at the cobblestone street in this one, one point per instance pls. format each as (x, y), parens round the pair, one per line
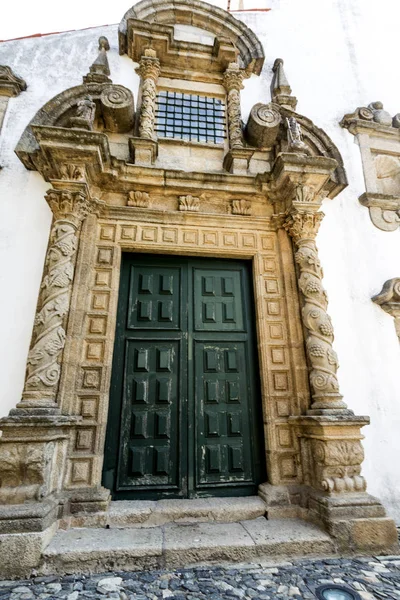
(372, 577)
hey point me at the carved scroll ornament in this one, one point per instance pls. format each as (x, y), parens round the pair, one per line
(337, 465)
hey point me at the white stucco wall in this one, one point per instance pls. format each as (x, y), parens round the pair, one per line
(338, 55)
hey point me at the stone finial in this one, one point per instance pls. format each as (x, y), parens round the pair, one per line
(99, 71)
(375, 113)
(389, 300)
(10, 84)
(380, 115)
(281, 92)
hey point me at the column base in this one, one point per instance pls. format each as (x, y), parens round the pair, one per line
(357, 522)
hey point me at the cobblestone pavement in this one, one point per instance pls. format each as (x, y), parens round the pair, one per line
(373, 578)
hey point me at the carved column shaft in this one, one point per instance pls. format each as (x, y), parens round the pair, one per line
(303, 228)
(43, 366)
(233, 83)
(149, 71)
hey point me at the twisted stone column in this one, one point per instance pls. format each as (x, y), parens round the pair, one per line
(69, 208)
(303, 225)
(149, 71)
(233, 83)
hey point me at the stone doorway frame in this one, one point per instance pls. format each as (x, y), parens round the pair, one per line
(88, 355)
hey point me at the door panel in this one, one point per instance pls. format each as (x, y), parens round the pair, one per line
(149, 424)
(222, 415)
(185, 411)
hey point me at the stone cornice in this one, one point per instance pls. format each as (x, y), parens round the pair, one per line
(10, 84)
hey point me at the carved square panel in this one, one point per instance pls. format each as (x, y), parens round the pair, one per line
(287, 467)
(210, 238)
(273, 308)
(170, 235)
(230, 239)
(283, 407)
(249, 240)
(269, 265)
(81, 470)
(276, 331)
(103, 278)
(271, 286)
(91, 378)
(89, 406)
(100, 300)
(84, 439)
(97, 325)
(105, 256)
(280, 380)
(267, 242)
(94, 351)
(285, 437)
(149, 234)
(107, 232)
(278, 355)
(128, 233)
(191, 236)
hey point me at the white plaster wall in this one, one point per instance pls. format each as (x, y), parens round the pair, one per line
(338, 55)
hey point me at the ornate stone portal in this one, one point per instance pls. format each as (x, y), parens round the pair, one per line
(51, 451)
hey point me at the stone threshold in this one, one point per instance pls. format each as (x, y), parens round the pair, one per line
(139, 513)
(96, 550)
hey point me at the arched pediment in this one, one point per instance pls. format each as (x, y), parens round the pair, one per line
(202, 15)
(113, 111)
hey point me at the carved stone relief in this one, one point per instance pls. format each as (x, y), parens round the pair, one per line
(378, 136)
(389, 300)
(149, 71)
(241, 207)
(189, 203)
(138, 199)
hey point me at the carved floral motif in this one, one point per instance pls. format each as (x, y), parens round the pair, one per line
(139, 199)
(338, 465)
(23, 469)
(72, 172)
(189, 203)
(241, 207)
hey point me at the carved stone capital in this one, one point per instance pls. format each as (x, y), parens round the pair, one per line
(302, 226)
(72, 206)
(10, 84)
(389, 300)
(149, 66)
(233, 78)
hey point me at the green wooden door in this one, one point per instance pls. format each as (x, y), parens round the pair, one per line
(185, 411)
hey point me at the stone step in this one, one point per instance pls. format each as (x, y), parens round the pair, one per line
(200, 510)
(91, 550)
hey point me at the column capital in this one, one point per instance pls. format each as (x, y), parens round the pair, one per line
(301, 225)
(149, 66)
(233, 77)
(72, 205)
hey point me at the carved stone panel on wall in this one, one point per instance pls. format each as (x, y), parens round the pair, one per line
(378, 136)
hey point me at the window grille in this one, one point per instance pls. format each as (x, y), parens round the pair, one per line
(189, 117)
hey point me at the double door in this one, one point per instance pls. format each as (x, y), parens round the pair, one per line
(185, 412)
